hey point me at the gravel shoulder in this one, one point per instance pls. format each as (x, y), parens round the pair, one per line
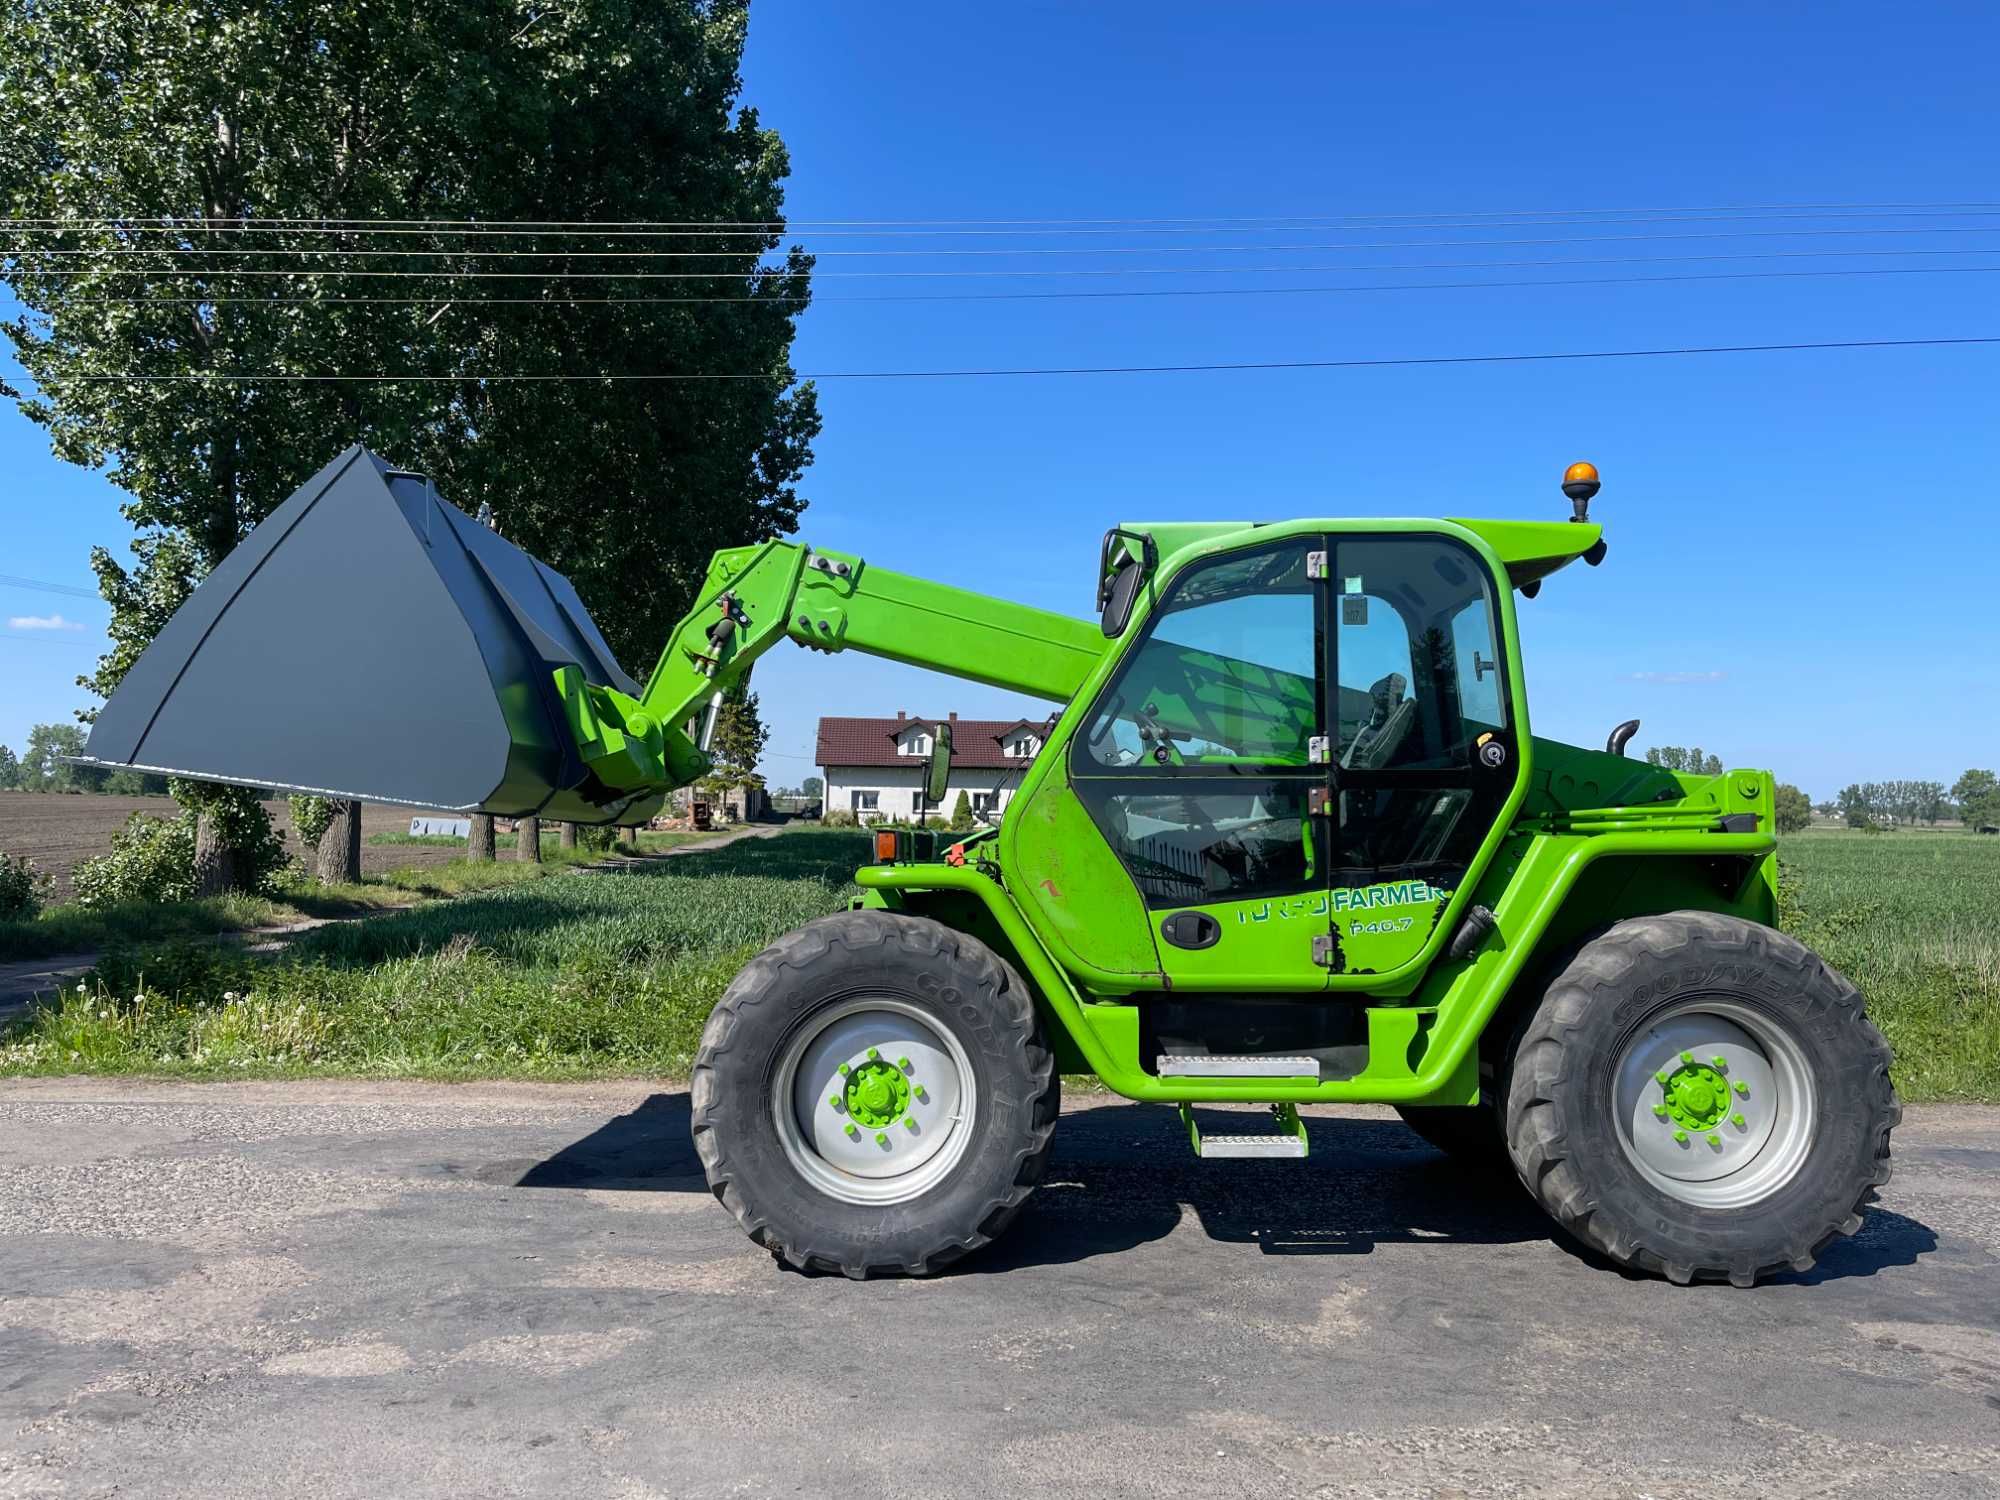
(349, 1288)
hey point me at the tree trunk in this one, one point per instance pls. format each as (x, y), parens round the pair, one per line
(479, 843)
(214, 859)
(568, 837)
(528, 840)
(337, 860)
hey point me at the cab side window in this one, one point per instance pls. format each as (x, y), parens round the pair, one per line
(1419, 676)
(1226, 677)
(1419, 682)
(1196, 763)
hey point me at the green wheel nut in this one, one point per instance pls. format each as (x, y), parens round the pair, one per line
(843, 1067)
(874, 1053)
(1660, 1110)
(1680, 1137)
(854, 1131)
(881, 1137)
(1659, 1077)
(910, 1125)
(834, 1101)
(1737, 1120)
(1687, 1057)
(903, 1063)
(1718, 1061)
(1715, 1140)
(1742, 1088)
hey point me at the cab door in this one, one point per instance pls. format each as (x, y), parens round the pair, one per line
(1425, 751)
(1205, 764)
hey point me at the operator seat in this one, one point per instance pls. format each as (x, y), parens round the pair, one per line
(1391, 716)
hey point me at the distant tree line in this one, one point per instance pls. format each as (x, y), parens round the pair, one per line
(1695, 761)
(1974, 798)
(41, 768)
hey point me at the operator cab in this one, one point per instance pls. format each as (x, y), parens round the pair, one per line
(1309, 737)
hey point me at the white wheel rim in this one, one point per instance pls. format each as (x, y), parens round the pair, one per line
(1714, 1104)
(873, 1101)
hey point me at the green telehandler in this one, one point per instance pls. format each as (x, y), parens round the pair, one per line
(1287, 839)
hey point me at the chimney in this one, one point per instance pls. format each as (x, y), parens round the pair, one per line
(900, 716)
(954, 716)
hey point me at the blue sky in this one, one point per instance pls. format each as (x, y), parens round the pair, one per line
(1803, 553)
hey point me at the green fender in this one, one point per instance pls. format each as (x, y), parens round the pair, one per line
(1421, 1052)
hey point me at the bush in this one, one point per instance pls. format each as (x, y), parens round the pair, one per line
(151, 860)
(961, 814)
(22, 887)
(838, 820)
(240, 818)
(312, 816)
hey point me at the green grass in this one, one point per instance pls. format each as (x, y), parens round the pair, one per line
(571, 977)
(584, 976)
(1913, 918)
(73, 929)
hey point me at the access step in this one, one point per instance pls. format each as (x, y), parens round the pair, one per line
(1246, 1065)
(1288, 1140)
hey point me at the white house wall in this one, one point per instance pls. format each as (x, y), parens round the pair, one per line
(896, 787)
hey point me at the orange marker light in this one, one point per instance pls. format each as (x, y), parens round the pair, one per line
(1580, 483)
(885, 848)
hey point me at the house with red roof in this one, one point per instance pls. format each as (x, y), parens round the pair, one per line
(874, 768)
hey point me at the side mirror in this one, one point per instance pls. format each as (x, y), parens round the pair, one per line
(1119, 599)
(1118, 588)
(938, 773)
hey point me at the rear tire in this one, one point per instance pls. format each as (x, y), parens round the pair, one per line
(873, 1094)
(1701, 1097)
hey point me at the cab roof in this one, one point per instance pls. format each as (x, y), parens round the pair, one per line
(1530, 550)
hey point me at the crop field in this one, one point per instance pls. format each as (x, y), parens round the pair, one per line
(1913, 918)
(582, 975)
(59, 831)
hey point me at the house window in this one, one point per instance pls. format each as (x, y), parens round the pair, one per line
(916, 744)
(865, 802)
(985, 802)
(920, 805)
(1021, 747)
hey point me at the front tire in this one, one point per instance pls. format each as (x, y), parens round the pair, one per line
(873, 1094)
(1701, 1097)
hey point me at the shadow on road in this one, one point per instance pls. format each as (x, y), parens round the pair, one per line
(1121, 1175)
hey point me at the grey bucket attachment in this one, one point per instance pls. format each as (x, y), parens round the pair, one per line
(369, 641)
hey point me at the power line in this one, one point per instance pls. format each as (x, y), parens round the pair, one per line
(476, 377)
(11, 581)
(802, 229)
(1310, 220)
(1017, 273)
(1580, 239)
(342, 300)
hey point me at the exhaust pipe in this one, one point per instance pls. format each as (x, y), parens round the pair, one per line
(370, 641)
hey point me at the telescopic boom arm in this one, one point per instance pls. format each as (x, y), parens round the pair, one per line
(828, 601)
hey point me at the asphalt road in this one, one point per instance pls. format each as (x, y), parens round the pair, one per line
(388, 1290)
